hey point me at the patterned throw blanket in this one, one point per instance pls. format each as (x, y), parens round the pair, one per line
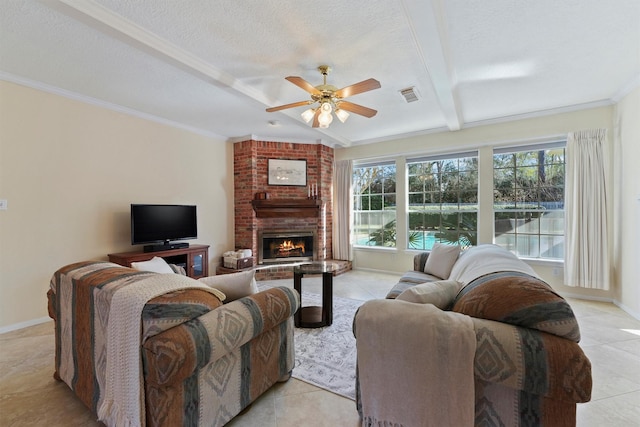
(421, 357)
(123, 401)
(110, 308)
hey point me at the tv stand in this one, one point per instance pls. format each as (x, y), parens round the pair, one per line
(193, 258)
(166, 246)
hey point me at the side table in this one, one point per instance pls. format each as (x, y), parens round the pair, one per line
(313, 316)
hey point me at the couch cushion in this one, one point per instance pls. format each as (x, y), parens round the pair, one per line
(409, 279)
(234, 285)
(155, 264)
(518, 299)
(440, 293)
(441, 260)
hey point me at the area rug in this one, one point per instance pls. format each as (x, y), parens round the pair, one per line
(326, 357)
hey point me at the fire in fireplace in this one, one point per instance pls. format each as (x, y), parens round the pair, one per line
(278, 247)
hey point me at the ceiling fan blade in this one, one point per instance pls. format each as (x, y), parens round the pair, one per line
(357, 109)
(316, 122)
(300, 82)
(354, 89)
(292, 105)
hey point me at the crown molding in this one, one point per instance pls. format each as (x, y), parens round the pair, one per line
(627, 89)
(22, 81)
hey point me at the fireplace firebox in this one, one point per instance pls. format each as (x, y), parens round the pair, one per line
(286, 246)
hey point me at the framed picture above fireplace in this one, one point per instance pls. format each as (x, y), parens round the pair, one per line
(288, 172)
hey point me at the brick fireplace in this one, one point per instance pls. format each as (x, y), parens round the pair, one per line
(288, 208)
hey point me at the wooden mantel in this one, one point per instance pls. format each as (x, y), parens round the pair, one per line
(291, 208)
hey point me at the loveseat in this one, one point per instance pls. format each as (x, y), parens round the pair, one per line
(142, 348)
(478, 339)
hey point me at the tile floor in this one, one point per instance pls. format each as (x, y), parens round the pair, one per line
(30, 396)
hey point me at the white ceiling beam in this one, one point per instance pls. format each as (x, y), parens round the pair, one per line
(427, 23)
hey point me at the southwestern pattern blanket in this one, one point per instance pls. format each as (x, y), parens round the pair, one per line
(202, 361)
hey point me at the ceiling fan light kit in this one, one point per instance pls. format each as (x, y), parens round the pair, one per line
(330, 100)
(307, 115)
(342, 115)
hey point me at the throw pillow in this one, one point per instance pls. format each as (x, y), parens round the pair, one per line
(441, 260)
(155, 264)
(234, 285)
(518, 299)
(440, 293)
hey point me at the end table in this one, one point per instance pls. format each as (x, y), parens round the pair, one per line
(313, 316)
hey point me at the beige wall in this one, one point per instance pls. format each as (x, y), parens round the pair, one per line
(627, 202)
(484, 138)
(69, 171)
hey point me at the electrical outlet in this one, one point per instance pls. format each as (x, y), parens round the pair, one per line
(557, 271)
(3, 205)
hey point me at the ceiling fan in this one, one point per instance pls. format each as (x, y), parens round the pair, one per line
(329, 99)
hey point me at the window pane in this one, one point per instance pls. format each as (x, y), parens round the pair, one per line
(468, 164)
(469, 198)
(553, 196)
(376, 202)
(390, 184)
(431, 182)
(527, 177)
(416, 199)
(552, 247)
(450, 187)
(535, 225)
(528, 224)
(503, 177)
(503, 160)
(528, 245)
(416, 220)
(416, 183)
(433, 197)
(524, 158)
(414, 168)
(552, 223)
(365, 203)
(449, 165)
(468, 180)
(432, 221)
(374, 205)
(389, 201)
(469, 220)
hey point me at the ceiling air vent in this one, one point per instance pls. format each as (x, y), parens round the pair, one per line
(409, 94)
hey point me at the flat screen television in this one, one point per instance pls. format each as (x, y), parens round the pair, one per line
(160, 225)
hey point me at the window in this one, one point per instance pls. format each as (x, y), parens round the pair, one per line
(528, 197)
(443, 200)
(374, 204)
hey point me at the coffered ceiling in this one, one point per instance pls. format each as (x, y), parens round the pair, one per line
(214, 66)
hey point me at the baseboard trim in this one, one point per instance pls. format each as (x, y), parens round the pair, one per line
(627, 310)
(586, 297)
(23, 325)
(374, 270)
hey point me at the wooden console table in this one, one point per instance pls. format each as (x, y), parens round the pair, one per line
(194, 259)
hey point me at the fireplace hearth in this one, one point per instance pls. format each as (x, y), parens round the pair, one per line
(286, 246)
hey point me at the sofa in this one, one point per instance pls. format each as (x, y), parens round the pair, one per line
(144, 348)
(471, 338)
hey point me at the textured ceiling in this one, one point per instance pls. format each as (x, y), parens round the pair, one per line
(214, 66)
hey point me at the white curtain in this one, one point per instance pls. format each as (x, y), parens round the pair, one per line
(342, 208)
(586, 237)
